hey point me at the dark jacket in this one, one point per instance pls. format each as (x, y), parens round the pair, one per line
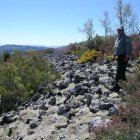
(123, 45)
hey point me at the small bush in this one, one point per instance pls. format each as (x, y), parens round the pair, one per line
(82, 51)
(98, 41)
(94, 43)
(90, 45)
(88, 56)
(30, 50)
(49, 50)
(5, 55)
(15, 52)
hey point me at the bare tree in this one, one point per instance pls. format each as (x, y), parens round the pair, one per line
(119, 10)
(133, 24)
(123, 13)
(88, 29)
(106, 24)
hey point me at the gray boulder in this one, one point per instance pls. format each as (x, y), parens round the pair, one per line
(80, 90)
(52, 101)
(63, 109)
(36, 97)
(33, 125)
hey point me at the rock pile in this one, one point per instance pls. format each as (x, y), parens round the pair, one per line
(81, 98)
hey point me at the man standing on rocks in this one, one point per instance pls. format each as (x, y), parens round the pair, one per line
(123, 49)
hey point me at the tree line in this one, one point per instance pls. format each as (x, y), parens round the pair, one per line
(125, 15)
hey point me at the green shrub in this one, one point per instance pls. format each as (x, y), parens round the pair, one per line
(22, 77)
(88, 56)
(5, 55)
(30, 50)
(95, 43)
(83, 50)
(49, 50)
(90, 45)
(15, 52)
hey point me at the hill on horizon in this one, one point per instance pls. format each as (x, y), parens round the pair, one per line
(22, 48)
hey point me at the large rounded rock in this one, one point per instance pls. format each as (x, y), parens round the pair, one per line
(113, 110)
(30, 132)
(80, 90)
(33, 125)
(35, 97)
(63, 85)
(35, 107)
(52, 101)
(28, 121)
(63, 109)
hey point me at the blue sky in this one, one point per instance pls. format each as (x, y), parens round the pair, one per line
(53, 22)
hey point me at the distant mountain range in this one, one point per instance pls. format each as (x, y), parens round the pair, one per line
(22, 48)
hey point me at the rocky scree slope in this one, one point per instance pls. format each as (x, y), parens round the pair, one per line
(81, 98)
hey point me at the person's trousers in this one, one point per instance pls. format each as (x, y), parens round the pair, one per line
(121, 68)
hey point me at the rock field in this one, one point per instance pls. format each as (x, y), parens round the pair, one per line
(81, 98)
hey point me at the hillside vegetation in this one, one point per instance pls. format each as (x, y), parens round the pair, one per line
(98, 43)
(24, 74)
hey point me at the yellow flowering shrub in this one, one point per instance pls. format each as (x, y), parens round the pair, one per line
(109, 56)
(138, 58)
(73, 52)
(89, 56)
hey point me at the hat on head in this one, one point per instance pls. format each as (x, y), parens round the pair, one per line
(120, 27)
